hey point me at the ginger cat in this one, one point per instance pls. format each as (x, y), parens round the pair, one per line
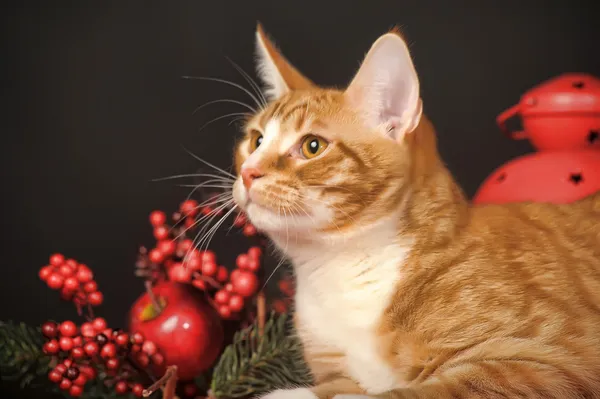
(405, 290)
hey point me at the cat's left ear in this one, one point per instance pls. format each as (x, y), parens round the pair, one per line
(275, 71)
(385, 90)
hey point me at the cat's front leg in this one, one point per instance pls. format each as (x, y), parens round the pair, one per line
(326, 390)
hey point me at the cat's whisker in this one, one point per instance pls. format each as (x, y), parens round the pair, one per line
(222, 117)
(225, 100)
(224, 178)
(200, 219)
(204, 185)
(209, 164)
(250, 81)
(204, 242)
(227, 82)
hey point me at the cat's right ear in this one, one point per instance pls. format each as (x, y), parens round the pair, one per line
(278, 75)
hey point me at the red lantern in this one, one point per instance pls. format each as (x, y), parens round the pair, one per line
(560, 114)
(557, 177)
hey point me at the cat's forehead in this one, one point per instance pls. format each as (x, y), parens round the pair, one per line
(298, 111)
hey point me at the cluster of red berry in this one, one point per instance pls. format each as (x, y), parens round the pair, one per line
(243, 284)
(175, 258)
(81, 351)
(286, 287)
(74, 280)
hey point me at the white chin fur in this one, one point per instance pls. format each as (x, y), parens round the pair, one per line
(297, 393)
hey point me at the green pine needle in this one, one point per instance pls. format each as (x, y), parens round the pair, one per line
(252, 365)
(21, 356)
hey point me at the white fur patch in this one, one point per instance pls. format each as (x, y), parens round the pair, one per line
(342, 292)
(348, 396)
(296, 393)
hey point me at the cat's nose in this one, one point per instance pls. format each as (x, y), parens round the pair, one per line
(249, 175)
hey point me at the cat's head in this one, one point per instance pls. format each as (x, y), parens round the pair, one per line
(318, 161)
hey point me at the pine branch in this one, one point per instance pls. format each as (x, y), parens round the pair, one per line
(21, 356)
(253, 365)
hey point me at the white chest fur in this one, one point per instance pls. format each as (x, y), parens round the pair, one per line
(341, 297)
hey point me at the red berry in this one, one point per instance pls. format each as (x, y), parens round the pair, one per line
(156, 256)
(189, 223)
(240, 220)
(180, 273)
(279, 306)
(200, 284)
(55, 281)
(224, 311)
(161, 232)
(158, 218)
(222, 297)
(72, 263)
(245, 283)
(190, 390)
(65, 384)
(138, 338)
(72, 373)
(71, 284)
(68, 328)
(91, 348)
(109, 350)
(95, 298)
(242, 261)
(81, 380)
(66, 343)
(55, 376)
(108, 333)
(65, 271)
(194, 263)
(122, 339)
(112, 363)
(136, 348)
(87, 330)
(249, 230)
(84, 274)
(222, 274)
(229, 286)
(209, 256)
(61, 368)
(149, 347)
(49, 329)
(143, 359)
(185, 245)
(236, 303)
(51, 347)
(234, 275)
(88, 371)
(78, 340)
(57, 259)
(255, 252)
(189, 208)
(167, 247)
(137, 390)
(77, 353)
(253, 265)
(66, 295)
(91, 286)
(158, 359)
(68, 363)
(45, 272)
(121, 387)
(206, 210)
(209, 268)
(75, 391)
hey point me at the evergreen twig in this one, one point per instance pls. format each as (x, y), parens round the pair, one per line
(255, 364)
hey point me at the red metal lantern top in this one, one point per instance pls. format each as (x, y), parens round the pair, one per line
(572, 95)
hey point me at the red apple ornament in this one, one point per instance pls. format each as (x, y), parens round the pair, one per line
(187, 330)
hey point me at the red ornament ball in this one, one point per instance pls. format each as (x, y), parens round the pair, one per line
(555, 177)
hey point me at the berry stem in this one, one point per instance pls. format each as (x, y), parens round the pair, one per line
(153, 299)
(209, 280)
(168, 383)
(90, 311)
(261, 310)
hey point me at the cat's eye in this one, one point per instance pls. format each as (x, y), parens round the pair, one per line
(255, 140)
(313, 146)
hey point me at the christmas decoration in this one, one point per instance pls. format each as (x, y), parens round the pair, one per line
(178, 328)
(560, 114)
(561, 118)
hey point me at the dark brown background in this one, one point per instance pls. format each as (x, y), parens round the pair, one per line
(94, 107)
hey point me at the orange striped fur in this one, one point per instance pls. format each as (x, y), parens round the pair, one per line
(404, 289)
